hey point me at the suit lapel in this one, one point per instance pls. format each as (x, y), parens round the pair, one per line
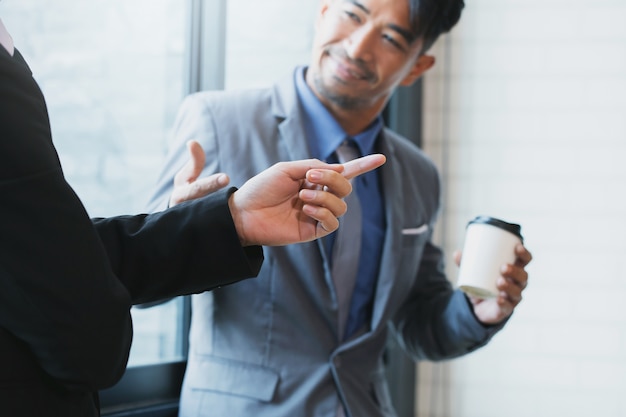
(286, 109)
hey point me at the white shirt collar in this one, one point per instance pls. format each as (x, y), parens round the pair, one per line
(5, 39)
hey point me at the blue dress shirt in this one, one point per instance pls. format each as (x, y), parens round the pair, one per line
(324, 135)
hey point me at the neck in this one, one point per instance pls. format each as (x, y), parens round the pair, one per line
(353, 121)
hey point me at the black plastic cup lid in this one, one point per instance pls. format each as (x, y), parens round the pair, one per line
(516, 229)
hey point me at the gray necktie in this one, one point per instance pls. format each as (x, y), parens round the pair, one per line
(347, 247)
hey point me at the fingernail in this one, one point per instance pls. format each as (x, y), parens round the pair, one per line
(315, 175)
(307, 194)
(308, 209)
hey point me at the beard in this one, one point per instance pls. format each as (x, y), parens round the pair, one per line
(343, 101)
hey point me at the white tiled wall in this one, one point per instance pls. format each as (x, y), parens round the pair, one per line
(526, 117)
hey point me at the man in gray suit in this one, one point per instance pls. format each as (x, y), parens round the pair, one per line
(300, 350)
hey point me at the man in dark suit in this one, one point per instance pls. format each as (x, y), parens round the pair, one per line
(67, 282)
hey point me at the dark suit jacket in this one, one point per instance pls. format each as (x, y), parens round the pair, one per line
(67, 282)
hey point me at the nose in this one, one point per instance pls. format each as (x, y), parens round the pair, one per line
(359, 44)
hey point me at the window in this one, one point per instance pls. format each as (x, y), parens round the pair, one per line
(113, 74)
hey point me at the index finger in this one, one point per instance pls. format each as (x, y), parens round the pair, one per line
(523, 256)
(362, 165)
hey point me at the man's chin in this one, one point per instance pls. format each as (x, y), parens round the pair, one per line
(336, 91)
(343, 101)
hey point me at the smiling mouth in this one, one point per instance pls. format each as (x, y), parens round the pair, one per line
(348, 69)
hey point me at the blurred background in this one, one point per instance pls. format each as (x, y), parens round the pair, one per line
(524, 113)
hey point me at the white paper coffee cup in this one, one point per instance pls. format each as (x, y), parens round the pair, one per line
(489, 244)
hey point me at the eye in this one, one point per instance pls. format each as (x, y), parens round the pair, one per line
(353, 16)
(393, 42)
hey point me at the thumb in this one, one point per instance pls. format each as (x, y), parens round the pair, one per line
(193, 168)
(457, 257)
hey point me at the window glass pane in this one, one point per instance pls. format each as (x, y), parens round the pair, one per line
(158, 334)
(282, 36)
(112, 73)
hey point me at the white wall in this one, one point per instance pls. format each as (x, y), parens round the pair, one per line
(526, 117)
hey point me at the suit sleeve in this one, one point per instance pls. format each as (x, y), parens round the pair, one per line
(190, 248)
(194, 121)
(437, 322)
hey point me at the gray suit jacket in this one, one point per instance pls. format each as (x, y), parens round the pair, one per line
(269, 347)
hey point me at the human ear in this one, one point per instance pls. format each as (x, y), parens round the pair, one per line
(421, 65)
(324, 5)
(323, 8)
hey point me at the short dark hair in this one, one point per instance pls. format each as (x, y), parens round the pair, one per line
(431, 18)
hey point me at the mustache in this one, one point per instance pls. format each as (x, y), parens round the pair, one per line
(341, 54)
